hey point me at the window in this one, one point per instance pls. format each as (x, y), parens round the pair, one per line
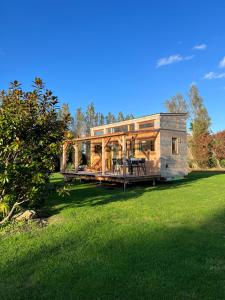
(147, 145)
(123, 128)
(174, 146)
(98, 132)
(149, 124)
(132, 127)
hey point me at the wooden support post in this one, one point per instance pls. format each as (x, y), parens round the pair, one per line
(103, 156)
(63, 161)
(76, 156)
(124, 155)
(153, 182)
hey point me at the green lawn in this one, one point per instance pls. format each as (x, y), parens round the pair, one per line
(163, 242)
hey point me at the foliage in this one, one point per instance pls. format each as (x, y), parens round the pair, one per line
(219, 146)
(200, 120)
(177, 104)
(30, 137)
(201, 142)
(201, 148)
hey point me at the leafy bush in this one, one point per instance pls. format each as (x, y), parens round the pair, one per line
(30, 137)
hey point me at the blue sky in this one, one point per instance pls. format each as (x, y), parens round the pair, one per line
(125, 56)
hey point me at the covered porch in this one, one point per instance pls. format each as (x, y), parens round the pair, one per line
(120, 157)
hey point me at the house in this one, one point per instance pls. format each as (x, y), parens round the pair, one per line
(147, 148)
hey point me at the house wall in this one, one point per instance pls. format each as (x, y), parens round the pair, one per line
(172, 165)
(161, 161)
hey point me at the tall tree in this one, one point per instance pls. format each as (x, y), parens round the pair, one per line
(110, 118)
(200, 119)
(177, 104)
(65, 111)
(120, 117)
(129, 117)
(101, 119)
(201, 142)
(79, 123)
(90, 117)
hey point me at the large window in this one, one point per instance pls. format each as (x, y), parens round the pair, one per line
(147, 145)
(132, 128)
(123, 128)
(98, 132)
(146, 125)
(174, 145)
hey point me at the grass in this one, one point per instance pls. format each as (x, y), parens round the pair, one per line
(163, 242)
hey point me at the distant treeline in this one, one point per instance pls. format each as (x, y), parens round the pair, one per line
(83, 120)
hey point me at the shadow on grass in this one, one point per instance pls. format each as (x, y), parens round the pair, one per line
(92, 194)
(143, 263)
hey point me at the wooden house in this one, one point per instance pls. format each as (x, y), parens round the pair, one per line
(146, 148)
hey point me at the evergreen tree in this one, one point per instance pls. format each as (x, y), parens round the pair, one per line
(110, 118)
(64, 112)
(101, 119)
(90, 118)
(129, 117)
(120, 117)
(79, 124)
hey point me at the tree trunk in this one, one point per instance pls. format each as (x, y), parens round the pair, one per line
(10, 214)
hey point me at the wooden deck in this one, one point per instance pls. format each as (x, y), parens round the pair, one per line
(109, 177)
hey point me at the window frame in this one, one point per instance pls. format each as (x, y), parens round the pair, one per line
(175, 146)
(151, 147)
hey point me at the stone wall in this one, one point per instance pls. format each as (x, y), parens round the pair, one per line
(173, 165)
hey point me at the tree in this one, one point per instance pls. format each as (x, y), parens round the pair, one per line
(177, 104)
(129, 117)
(90, 118)
(200, 120)
(79, 123)
(219, 147)
(63, 112)
(30, 137)
(101, 119)
(110, 118)
(120, 117)
(201, 142)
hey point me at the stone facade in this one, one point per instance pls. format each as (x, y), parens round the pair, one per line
(173, 164)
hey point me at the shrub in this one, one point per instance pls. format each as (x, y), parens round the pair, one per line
(30, 137)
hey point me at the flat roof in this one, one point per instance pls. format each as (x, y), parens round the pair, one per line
(142, 117)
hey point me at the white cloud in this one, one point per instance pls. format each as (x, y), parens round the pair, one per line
(200, 47)
(212, 75)
(172, 59)
(222, 63)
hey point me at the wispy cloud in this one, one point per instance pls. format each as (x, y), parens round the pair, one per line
(172, 59)
(200, 47)
(213, 75)
(222, 63)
